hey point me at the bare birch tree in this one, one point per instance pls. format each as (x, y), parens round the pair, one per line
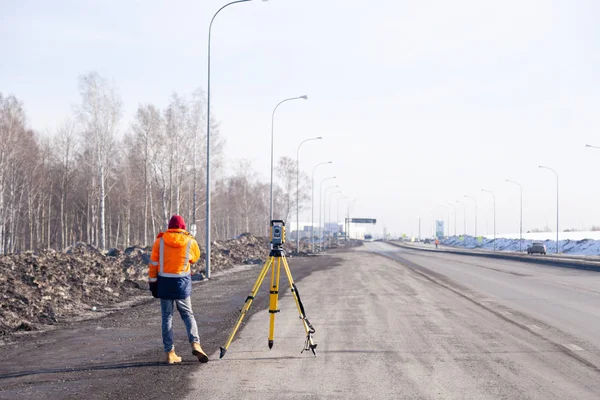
(64, 151)
(147, 129)
(99, 114)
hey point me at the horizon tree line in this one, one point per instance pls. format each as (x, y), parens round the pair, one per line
(92, 180)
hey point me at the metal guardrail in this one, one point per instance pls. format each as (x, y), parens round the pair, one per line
(577, 263)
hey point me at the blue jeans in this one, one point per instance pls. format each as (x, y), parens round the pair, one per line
(187, 315)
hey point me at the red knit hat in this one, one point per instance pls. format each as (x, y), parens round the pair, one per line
(176, 222)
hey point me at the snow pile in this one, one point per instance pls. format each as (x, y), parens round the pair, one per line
(589, 247)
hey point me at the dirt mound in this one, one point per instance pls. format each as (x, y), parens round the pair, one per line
(47, 287)
(245, 249)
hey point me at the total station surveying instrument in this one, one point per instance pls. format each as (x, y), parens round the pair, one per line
(276, 259)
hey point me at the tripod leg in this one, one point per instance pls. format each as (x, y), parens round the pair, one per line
(310, 345)
(273, 300)
(248, 303)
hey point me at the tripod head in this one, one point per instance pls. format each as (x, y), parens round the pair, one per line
(277, 233)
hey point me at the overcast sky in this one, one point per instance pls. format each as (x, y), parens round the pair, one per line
(419, 103)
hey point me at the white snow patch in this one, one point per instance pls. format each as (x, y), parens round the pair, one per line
(576, 243)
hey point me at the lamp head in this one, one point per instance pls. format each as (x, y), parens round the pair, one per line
(305, 97)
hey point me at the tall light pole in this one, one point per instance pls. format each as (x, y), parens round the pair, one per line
(348, 207)
(453, 205)
(329, 207)
(298, 191)
(304, 97)
(475, 201)
(208, 142)
(337, 214)
(494, 196)
(329, 212)
(320, 205)
(464, 217)
(312, 208)
(521, 223)
(555, 173)
(337, 208)
(447, 218)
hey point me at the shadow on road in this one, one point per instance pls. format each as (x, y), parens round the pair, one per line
(99, 367)
(263, 358)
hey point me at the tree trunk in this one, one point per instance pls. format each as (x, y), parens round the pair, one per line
(101, 227)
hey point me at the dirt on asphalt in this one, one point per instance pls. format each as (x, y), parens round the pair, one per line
(119, 354)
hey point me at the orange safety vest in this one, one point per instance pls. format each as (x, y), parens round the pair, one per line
(172, 253)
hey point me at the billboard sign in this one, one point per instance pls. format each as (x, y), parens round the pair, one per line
(439, 229)
(363, 220)
(332, 227)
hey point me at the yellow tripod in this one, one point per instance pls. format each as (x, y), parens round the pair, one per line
(276, 259)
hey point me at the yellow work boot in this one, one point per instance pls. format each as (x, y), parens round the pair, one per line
(173, 358)
(198, 352)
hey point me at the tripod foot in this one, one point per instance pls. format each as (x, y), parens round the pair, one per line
(308, 345)
(270, 344)
(223, 351)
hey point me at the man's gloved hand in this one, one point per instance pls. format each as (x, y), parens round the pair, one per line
(153, 286)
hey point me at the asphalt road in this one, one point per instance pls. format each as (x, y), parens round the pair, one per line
(391, 323)
(389, 329)
(564, 298)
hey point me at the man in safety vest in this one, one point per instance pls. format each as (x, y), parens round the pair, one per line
(169, 277)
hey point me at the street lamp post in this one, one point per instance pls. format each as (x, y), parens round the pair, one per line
(593, 147)
(329, 208)
(337, 208)
(298, 191)
(555, 173)
(447, 218)
(453, 205)
(272, 130)
(312, 208)
(320, 206)
(208, 141)
(434, 217)
(475, 201)
(464, 217)
(521, 218)
(348, 207)
(337, 213)
(494, 196)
